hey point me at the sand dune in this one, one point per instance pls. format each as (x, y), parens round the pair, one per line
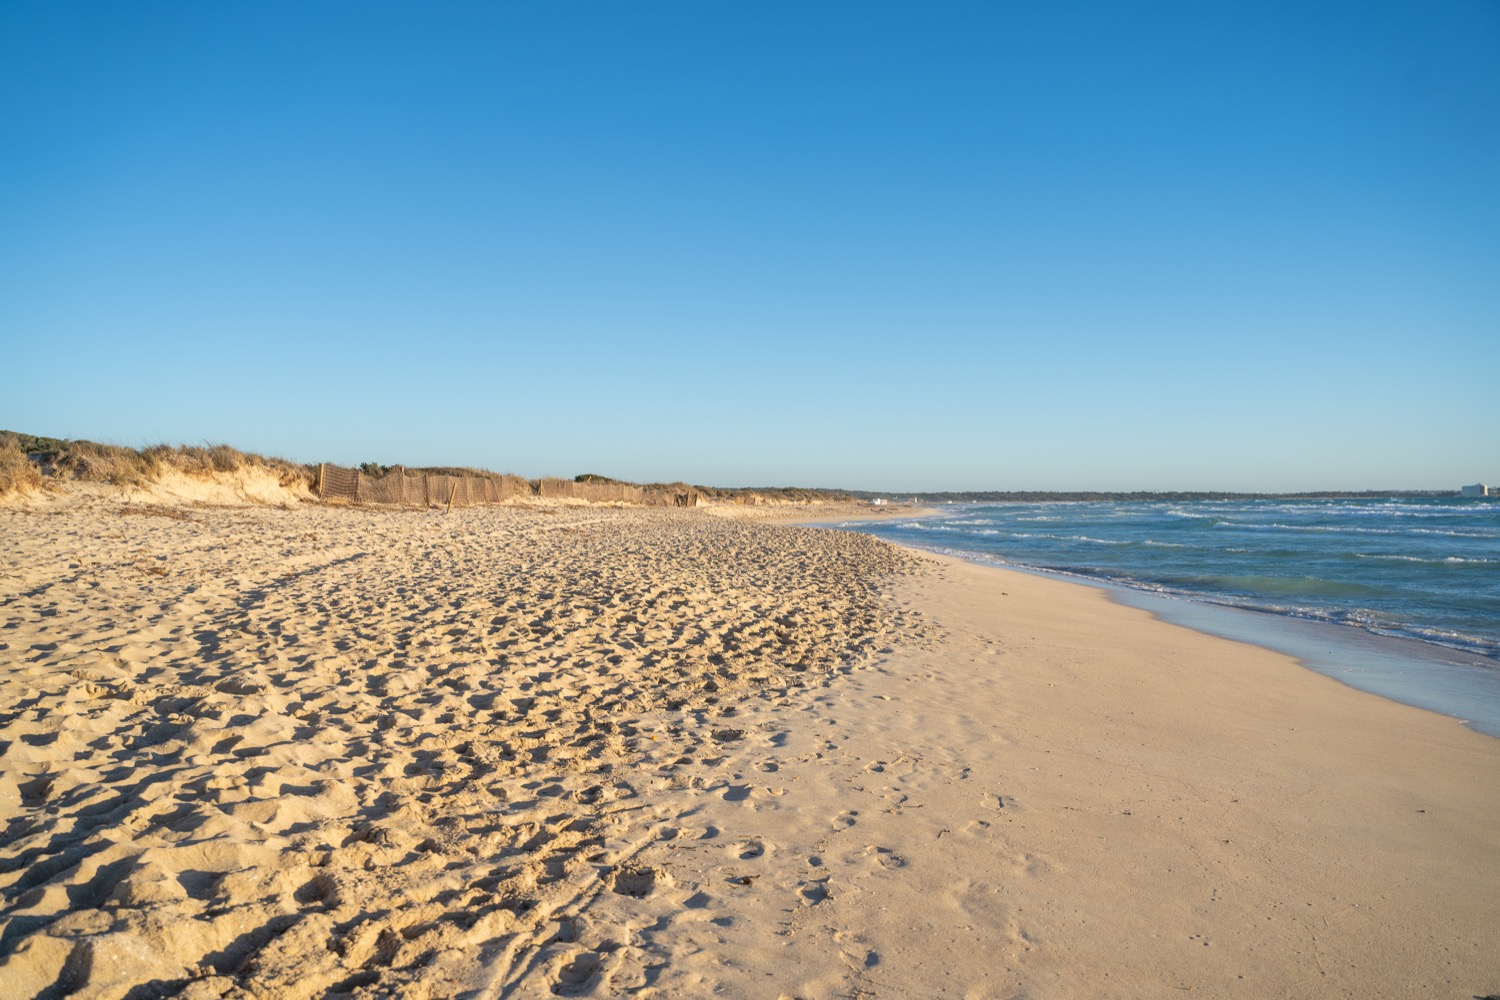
(260, 752)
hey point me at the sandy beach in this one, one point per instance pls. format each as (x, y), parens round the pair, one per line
(249, 750)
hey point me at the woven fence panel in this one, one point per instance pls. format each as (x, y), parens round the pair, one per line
(672, 498)
(622, 493)
(512, 486)
(335, 483)
(386, 489)
(428, 489)
(554, 489)
(414, 490)
(567, 489)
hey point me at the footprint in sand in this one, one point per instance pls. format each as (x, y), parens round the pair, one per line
(886, 857)
(578, 974)
(737, 793)
(746, 850)
(814, 893)
(637, 882)
(845, 820)
(1032, 865)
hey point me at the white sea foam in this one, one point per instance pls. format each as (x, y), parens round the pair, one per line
(1347, 529)
(1445, 560)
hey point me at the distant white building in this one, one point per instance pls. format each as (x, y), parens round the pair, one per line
(882, 501)
(1477, 490)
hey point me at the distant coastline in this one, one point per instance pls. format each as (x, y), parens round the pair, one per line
(1147, 496)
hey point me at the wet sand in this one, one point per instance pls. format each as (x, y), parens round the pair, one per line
(255, 752)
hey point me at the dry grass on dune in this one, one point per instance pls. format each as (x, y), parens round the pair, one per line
(131, 466)
(23, 460)
(107, 463)
(17, 473)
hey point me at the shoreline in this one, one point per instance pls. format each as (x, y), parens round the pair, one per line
(601, 752)
(1447, 680)
(1363, 661)
(1102, 802)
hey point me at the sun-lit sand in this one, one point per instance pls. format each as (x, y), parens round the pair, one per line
(248, 751)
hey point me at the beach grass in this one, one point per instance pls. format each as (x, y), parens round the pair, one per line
(17, 472)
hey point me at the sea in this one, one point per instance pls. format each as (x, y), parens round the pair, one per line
(1397, 596)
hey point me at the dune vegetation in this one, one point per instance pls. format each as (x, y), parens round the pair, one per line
(17, 472)
(28, 461)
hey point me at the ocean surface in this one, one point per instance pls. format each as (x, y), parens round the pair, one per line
(1396, 596)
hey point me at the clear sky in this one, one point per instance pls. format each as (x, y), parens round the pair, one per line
(992, 245)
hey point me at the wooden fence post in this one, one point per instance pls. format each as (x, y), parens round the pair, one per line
(452, 489)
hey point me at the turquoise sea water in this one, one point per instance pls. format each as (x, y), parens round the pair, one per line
(1397, 596)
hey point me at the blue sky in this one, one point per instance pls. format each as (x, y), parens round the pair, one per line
(868, 245)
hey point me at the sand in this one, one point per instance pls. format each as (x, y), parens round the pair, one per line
(259, 752)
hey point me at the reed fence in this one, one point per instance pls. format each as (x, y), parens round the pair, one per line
(425, 489)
